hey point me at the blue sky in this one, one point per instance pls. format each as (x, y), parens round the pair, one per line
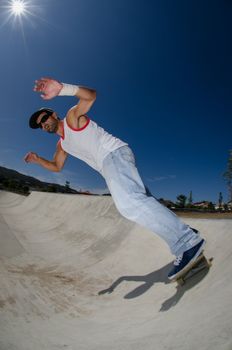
(162, 71)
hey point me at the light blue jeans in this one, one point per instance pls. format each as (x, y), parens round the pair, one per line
(133, 202)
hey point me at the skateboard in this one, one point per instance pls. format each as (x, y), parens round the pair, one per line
(198, 265)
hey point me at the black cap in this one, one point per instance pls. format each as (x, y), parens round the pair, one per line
(33, 119)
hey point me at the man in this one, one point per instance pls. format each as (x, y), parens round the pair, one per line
(114, 160)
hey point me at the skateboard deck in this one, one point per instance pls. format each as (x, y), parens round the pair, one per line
(198, 265)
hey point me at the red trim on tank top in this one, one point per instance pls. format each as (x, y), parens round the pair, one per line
(62, 136)
(59, 143)
(79, 129)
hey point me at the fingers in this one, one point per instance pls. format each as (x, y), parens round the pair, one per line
(48, 88)
(44, 80)
(26, 158)
(40, 85)
(30, 157)
(45, 97)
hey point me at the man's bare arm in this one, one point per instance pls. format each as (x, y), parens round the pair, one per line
(54, 165)
(50, 88)
(87, 97)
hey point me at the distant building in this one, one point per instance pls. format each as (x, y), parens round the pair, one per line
(202, 205)
(219, 206)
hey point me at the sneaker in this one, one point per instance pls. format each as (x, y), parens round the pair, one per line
(183, 261)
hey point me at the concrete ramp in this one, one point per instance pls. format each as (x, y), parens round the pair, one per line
(75, 275)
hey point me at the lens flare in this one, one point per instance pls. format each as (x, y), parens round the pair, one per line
(18, 7)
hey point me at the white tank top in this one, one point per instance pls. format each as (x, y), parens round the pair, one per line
(90, 143)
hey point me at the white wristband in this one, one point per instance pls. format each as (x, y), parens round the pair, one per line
(68, 90)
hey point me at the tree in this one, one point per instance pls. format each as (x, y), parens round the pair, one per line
(51, 188)
(220, 199)
(181, 201)
(228, 175)
(211, 207)
(190, 199)
(26, 189)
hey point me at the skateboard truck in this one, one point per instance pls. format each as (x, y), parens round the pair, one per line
(198, 265)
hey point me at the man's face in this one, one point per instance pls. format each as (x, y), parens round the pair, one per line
(49, 124)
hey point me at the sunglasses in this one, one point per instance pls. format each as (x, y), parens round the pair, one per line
(45, 118)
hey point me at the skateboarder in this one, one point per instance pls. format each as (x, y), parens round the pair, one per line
(113, 159)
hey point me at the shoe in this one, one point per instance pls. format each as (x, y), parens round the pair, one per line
(183, 261)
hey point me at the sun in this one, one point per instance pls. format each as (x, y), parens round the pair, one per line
(18, 7)
(20, 14)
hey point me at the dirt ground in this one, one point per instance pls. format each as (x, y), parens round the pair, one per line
(197, 215)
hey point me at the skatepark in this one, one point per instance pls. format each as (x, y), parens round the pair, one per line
(76, 275)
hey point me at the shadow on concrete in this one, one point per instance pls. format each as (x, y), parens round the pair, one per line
(181, 290)
(158, 276)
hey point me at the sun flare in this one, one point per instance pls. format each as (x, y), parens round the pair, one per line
(18, 7)
(20, 14)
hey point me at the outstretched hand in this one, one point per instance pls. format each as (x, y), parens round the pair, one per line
(31, 157)
(48, 87)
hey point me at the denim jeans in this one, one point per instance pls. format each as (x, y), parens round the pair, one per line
(133, 202)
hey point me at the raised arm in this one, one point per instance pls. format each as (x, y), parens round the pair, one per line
(51, 88)
(54, 165)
